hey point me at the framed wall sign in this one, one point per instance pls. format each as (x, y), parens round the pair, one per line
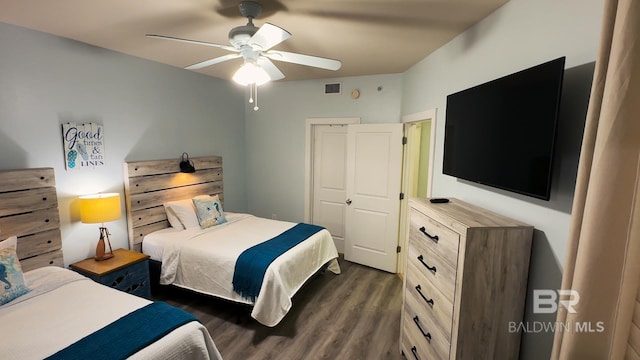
(83, 145)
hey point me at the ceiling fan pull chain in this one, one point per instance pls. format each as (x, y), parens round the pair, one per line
(251, 93)
(255, 108)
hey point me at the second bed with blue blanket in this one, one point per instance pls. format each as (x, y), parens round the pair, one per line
(70, 315)
(205, 261)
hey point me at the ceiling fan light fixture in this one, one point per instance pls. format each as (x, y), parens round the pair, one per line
(254, 44)
(251, 73)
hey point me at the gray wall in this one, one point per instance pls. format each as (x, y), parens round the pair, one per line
(149, 111)
(276, 134)
(521, 34)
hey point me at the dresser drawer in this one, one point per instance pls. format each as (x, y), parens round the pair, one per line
(435, 237)
(428, 301)
(432, 268)
(420, 340)
(414, 346)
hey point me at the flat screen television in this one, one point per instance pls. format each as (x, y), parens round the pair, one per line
(502, 133)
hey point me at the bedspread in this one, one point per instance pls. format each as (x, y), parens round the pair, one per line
(64, 306)
(204, 260)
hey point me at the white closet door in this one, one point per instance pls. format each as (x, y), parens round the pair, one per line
(374, 169)
(330, 180)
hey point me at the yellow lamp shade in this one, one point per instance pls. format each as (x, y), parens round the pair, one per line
(99, 208)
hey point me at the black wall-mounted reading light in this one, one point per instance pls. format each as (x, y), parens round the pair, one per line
(186, 165)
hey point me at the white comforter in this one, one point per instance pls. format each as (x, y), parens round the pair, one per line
(63, 307)
(204, 261)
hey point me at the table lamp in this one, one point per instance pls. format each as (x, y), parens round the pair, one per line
(100, 208)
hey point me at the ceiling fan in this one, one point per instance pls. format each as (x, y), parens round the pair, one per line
(254, 45)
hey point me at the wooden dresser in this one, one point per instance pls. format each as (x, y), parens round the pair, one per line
(466, 279)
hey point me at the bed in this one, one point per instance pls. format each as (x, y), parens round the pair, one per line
(49, 311)
(206, 259)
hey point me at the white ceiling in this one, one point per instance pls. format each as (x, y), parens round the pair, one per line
(368, 36)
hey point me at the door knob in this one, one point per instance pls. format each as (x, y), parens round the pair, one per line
(348, 202)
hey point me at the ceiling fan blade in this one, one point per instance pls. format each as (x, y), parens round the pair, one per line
(214, 61)
(270, 68)
(269, 36)
(226, 47)
(308, 60)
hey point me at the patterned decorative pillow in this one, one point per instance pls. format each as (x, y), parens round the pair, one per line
(12, 284)
(9, 242)
(209, 210)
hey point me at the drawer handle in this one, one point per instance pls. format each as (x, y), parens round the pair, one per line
(429, 301)
(435, 238)
(414, 351)
(425, 334)
(430, 268)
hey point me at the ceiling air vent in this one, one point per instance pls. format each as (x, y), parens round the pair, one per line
(334, 88)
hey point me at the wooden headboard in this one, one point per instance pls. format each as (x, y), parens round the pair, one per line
(29, 210)
(149, 184)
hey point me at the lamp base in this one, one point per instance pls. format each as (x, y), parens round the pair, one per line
(103, 257)
(100, 248)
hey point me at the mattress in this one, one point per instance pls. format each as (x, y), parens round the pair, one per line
(203, 260)
(63, 307)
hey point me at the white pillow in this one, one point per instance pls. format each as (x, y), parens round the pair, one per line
(173, 218)
(9, 242)
(181, 214)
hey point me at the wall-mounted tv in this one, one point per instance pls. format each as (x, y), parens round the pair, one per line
(502, 133)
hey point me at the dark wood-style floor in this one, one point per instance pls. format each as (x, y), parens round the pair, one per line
(354, 315)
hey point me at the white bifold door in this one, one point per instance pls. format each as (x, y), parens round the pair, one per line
(330, 180)
(373, 183)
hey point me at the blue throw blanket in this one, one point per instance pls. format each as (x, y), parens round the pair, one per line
(127, 335)
(253, 262)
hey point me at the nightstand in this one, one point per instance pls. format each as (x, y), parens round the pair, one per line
(127, 271)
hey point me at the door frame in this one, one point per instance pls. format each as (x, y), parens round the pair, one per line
(310, 123)
(427, 115)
